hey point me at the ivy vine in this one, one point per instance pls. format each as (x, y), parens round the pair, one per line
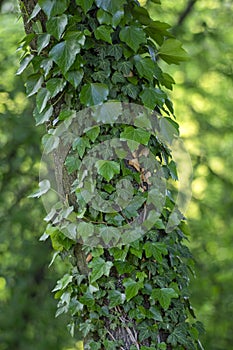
(84, 53)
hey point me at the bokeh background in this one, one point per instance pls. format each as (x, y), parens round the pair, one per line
(204, 107)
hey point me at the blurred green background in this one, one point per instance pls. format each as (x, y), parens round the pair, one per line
(203, 105)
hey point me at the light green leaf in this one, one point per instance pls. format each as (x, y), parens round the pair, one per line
(53, 8)
(104, 33)
(50, 142)
(109, 233)
(55, 85)
(145, 67)
(56, 26)
(63, 282)
(85, 4)
(93, 94)
(164, 296)
(107, 168)
(85, 230)
(99, 268)
(74, 77)
(136, 134)
(152, 97)
(111, 6)
(172, 52)
(131, 288)
(64, 54)
(44, 186)
(72, 163)
(133, 37)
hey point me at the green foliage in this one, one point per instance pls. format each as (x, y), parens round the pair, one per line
(99, 50)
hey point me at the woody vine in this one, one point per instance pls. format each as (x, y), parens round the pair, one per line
(87, 54)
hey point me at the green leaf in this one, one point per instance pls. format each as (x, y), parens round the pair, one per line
(93, 94)
(44, 186)
(74, 77)
(156, 250)
(64, 54)
(93, 133)
(99, 268)
(131, 288)
(55, 85)
(63, 282)
(42, 42)
(158, 31)
(115, 298)
(152, 97)
(107, 168)
(43, 117)
(56, 26)
(46, 65)
(104, 33)
(172, 52)
(85, 230)
(72, 163)
(142, 15)
(53, 8)
(41, 99)
(111, 6)
(136, 134)
(24, 63)
(50, 142)
(87, 299)
(85, 4)
(33, 84)
(145, 67)
(164, 296)
(80, 144)
(133, 37)
(104, 17)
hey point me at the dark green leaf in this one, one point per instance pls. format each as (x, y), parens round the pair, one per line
(55, 85)
(85, 4)
(53, 8)
(72, 163)
(112, 6)
(152, 97)
(142, 15)
(64, 54)
(145, 67)
(24, 63)
(115, 298)
(56, 26)
(42, 98)
(133, 37)
(93, 94)
(131, 288)
(74, 77)
(164, 296)
(42, 42)
(172, 52)
(43, 117)
(33, 84)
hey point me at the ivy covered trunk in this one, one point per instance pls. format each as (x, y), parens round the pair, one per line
(125, 289)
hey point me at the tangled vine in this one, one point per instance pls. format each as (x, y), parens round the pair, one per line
(84, 53)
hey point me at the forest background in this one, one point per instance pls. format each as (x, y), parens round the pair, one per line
(203, 103)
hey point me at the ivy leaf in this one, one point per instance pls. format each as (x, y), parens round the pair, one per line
(64, 54)
(172, 52)
(42, 98)
(131, 288)
(145, 67)
(115, 298)
(93, 94)
(158, 30)
(152, 97)
(164, 296)
(55, 85)
(136, 134)
(111, 6)
(99, 268)
(133, 37)
(42, 42)
(85, 230)
(24, 63)
(72, 163)
(33, 84)
(107, 168)
(50, 142)
(142, 15)
(53, 8)
(93, 133)
(44, 186)
(156, 250)
(104, 33)
(63, 282)
(74, 77)
(85, 4)
(43, 117)
(56, 26)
